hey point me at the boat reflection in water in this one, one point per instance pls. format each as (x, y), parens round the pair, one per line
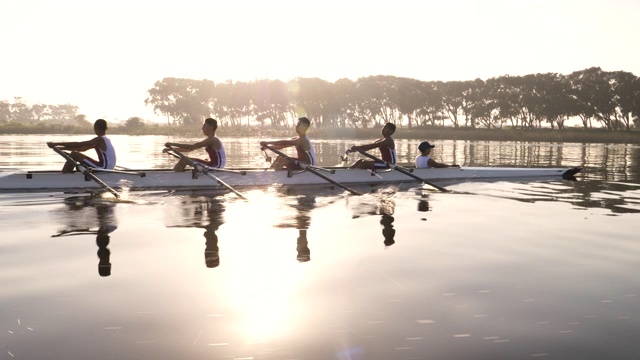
(103, 218)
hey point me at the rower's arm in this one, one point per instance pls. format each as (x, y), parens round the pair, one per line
(189, 147)
(367, 147)
(435, 164)
(281, 144)
(76, 145)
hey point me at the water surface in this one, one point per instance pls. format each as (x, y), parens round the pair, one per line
(492, 270)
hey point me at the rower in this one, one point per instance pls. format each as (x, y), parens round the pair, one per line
(304, 148)
(424, 161)
(387, 148)
(101, 143)
(212, 144)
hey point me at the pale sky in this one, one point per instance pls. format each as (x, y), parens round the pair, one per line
(103, 56)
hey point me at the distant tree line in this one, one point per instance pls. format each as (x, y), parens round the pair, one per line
(19, 112)
(609, 100)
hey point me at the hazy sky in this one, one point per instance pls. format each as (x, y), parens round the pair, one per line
(104, 55)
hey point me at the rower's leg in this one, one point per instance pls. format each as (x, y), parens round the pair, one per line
(363, 164)
(356, 165)
(70, 166)
(180, 165)
(279, 163)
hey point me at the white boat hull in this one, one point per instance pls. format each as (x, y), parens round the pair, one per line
(166, 179)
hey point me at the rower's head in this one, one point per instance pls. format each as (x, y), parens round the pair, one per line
(303, 125)
(210, 126)
(100, 127)
(425, 147)
(388, 129)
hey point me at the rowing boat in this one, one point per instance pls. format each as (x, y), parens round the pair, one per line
(157, 179)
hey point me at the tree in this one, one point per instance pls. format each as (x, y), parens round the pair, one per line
(409, 98)
(134, 122)
(21, 112)
(271, 101)
(81, 120)
(626, 91)
(453, 99)
(594, 94)
(184, 101)
(5, 112)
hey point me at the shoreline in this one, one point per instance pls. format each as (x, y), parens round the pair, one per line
(574, 135)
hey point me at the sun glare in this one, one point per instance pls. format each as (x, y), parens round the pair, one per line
(263, 273)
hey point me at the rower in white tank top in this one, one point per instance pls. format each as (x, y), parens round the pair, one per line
(106, 158)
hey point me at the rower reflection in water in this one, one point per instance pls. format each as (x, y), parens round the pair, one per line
(387, 208)
(304, 203)
(210, 215)
(206, 213)
(104, 254)
(211, 256)
(105, 222)
(302, 221)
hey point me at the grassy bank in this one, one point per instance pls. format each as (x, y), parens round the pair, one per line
(578, 135)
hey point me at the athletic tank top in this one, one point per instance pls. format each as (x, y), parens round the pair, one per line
(422, 162)
(308, 157)
(217, 158)
(388, 154)
(106, 158)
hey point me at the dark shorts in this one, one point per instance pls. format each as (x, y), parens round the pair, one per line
(93, 164)
(206, 163)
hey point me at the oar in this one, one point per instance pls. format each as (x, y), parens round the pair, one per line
(75, 232)
(202, 169)
(403, 170)
(124, 170)
(311, 170)
(331, 171)
(86, 171)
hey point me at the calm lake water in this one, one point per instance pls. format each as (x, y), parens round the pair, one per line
(492, 270)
